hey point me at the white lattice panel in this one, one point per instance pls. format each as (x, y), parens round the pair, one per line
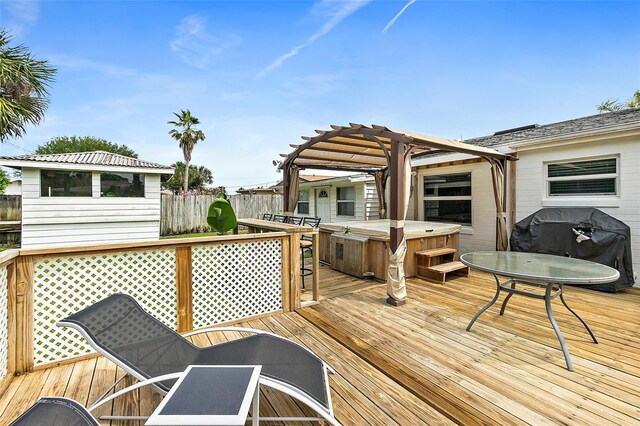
(234, 281)
(64, 285)
(4, 331)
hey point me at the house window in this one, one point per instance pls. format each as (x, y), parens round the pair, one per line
(303, 202)
(447, 198)
(583, 178)
(121, 185)
(347, 201)
(61, 183)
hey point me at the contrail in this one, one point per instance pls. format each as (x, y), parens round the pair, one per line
(395, 18)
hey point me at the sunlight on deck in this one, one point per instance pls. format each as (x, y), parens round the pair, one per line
(417, 365)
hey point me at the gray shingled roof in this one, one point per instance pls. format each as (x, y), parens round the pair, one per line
(592, 124)
(96, 158)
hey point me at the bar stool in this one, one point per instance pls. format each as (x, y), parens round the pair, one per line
(306, 245)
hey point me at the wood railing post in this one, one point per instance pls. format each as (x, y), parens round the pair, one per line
(315, 240)
(296, 278)
(184, 289)
(24, 314)
(286, 273)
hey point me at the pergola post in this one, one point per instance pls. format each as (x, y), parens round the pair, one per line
(396, 204)
(286, 187)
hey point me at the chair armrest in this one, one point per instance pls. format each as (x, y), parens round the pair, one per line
(239, 329)
(136, 386)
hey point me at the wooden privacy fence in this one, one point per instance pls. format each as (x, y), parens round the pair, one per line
(183, 214)
(10, 216)
(10, 207)
(186, 283)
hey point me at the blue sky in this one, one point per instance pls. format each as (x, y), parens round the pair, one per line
(261, 74)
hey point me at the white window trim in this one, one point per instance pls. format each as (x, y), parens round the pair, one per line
(468, 227)
(346, 201)
(578, 200)
(308, 201)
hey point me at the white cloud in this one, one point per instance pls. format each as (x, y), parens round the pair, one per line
(22, 15)
(334, 11)
(395, 18)
(195, 45)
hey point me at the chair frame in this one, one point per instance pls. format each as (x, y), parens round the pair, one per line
(294, 392)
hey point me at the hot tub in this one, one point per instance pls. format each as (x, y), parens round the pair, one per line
(368, 254)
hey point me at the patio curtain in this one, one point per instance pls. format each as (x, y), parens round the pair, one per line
(396, 281)
(497, 176)
(294, 190)
(381, 188)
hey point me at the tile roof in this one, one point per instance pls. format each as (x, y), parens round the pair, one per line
(598, 123)
(96, 158)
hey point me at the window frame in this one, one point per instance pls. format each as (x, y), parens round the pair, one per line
(50, 195)
(307, 202)
(448, 197)
(338, 201)
(144, 187)
(577, 196)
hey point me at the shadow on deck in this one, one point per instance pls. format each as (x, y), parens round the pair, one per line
(416, 364)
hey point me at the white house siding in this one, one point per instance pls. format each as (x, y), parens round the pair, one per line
(481, 235)
(65, 221)
(531, 190)
(366, 202)
(371, 203)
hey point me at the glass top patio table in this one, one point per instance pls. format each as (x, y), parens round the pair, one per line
(540, 267)
(540, 270)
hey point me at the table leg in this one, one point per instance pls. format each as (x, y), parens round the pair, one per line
(564, 302)
(481, 311)
(255, 418)
(563, 344)
(506, 299)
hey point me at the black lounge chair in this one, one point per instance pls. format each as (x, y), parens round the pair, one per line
(50, 411)
(118, 328)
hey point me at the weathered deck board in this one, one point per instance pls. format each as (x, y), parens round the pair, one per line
(416, 364)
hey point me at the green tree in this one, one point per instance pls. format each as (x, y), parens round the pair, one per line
(4, 181)
(614, 105)
(188, 137)
(24, 88)
(199, 176)
(65, 144)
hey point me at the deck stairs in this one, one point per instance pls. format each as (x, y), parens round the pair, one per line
(435, 264)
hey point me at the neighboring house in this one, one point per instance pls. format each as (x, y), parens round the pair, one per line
(88, 198)
(15, 187)
(338, 198)
(586, 162)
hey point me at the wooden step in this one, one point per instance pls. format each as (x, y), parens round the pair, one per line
(448, 267)
(439, 272)
(436, 252)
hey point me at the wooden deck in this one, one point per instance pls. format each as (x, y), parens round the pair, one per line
(416, 364)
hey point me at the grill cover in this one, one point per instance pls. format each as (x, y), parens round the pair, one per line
(604, 239)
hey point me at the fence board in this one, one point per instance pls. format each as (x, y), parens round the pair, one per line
(10, 207)
(183, 214)
(10, 211)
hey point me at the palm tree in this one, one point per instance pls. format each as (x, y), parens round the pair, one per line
(188, 137)
(24, 83)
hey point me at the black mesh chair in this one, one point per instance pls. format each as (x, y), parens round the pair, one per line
(50, 411)
(306, 245)
(295, 220)
(118, 328)
(267, 216)
(279, 218)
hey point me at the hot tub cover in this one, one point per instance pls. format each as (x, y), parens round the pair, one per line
(380, 228)
(584, 233)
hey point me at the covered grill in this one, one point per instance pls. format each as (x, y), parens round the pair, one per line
(584, 233)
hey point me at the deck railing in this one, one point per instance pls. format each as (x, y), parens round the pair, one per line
(185, 283)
